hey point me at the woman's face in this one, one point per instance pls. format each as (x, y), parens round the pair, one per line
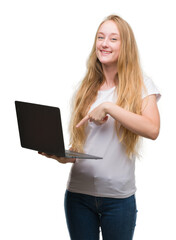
(108, 43)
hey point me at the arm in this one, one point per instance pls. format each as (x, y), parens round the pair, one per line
(146, 125)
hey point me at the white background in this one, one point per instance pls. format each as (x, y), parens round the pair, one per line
(44, 46)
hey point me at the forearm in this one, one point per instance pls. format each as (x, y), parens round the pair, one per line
(137, 124)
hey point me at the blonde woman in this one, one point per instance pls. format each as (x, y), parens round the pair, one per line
(113, 107)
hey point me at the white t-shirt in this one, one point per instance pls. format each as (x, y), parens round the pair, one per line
(114, 175)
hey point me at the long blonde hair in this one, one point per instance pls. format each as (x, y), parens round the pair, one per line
(130, 83)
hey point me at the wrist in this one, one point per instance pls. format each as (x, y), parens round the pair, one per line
(107, 106)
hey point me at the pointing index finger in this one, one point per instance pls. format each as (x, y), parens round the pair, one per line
(85, 119)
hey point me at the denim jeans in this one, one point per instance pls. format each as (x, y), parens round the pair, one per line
(86, 215)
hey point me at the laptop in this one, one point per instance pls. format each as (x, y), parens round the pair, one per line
(40, 129)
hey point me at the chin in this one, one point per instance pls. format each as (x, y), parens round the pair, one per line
(106, 63)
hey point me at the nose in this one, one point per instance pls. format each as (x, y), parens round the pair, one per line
(105, 42)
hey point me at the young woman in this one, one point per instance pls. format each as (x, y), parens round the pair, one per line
(113, 107)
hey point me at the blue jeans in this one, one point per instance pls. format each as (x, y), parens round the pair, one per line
(86, 215)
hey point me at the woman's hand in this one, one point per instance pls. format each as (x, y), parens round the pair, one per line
(146, 125)
(59, 159)
(98, 116)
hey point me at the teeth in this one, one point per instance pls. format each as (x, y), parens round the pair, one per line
(105, 52)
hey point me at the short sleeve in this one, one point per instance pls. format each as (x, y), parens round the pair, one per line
(150, 88)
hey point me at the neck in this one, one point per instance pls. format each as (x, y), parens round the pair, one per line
(110, 74)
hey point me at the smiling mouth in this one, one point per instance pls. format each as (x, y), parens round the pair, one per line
(104, 52)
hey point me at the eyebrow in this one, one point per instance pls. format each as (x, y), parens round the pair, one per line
(110, 34)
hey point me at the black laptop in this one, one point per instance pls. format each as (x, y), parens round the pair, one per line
(40, 129)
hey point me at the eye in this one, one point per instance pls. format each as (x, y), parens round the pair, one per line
(100, 37)
(113, 39)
